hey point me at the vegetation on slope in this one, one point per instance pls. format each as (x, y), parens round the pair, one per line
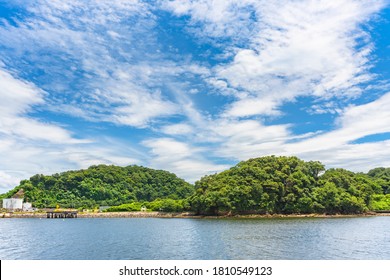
(285, 185)
(271, 184)
(382, 176)
(102, 185)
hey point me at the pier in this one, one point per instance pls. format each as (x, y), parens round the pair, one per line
(61, 214)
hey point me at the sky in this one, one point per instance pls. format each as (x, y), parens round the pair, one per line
(192, 87)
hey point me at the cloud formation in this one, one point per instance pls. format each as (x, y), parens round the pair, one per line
(189, 86)
(182, 159)
(339, 146)
(294, 48)
(29, 145)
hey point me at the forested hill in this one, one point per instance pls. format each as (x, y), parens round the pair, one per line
(102, 185)
(261, 185)
(289, 185)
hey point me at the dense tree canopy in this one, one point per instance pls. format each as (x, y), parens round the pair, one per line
(382, 175)
(285, 185)
(102, 185)
(261, 185)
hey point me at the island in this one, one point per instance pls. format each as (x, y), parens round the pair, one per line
(270, 185)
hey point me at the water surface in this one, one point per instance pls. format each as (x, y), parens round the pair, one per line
(153, 238)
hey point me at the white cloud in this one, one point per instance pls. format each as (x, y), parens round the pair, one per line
(253, 106)
(324, 108)
(32, 129)
(29, 146)
(305, 48)
(221, 18)
(22, 158)
(111, 59)
(95, 12)
(8, 179)
(367, 119)
(113, 73)
(246, 139)
(294, 48)
(134, 91)
(18, 98)
(355, 157)
(137, 107)
(354, 123)
(167, 148)
(103, 151)
(212, 139)
(337, 147)
(105, 63)
(180, 158)
(177, 129)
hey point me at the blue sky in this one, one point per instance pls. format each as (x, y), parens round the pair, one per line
(192, 87)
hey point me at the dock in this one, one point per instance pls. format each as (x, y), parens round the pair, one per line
(61, 214)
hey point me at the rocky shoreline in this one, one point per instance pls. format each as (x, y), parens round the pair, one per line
(185, 215)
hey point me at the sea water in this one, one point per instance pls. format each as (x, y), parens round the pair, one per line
(203, 239)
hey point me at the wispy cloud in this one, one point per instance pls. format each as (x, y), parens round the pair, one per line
(188, 86)
(18, 97)
(181, 158)
(29, 145)
(249, 138)
(177, 129)
(114, 71)
(292, 49)
(295, 48)
(354, 123)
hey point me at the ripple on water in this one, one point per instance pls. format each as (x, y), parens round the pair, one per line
(153, 238)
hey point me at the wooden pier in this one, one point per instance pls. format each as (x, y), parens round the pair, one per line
(61, 214)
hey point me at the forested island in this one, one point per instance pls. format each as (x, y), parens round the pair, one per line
(102, 185)
(266, 185)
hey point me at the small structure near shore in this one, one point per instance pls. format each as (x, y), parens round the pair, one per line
(27, 206)
(13, 203)
(102, 208)
(61, 214)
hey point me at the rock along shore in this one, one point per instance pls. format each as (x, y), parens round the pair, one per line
(184, 215)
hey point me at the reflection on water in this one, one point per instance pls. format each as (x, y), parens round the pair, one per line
(300, 238)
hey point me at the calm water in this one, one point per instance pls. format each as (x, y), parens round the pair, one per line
(333, 238)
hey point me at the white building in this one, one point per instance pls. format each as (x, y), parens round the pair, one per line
(27, 206)
(13, 203)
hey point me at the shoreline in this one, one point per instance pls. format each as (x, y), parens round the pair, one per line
(190, 215)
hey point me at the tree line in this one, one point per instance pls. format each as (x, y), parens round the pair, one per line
(287, 185)
(274, 185)
(102, 185)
